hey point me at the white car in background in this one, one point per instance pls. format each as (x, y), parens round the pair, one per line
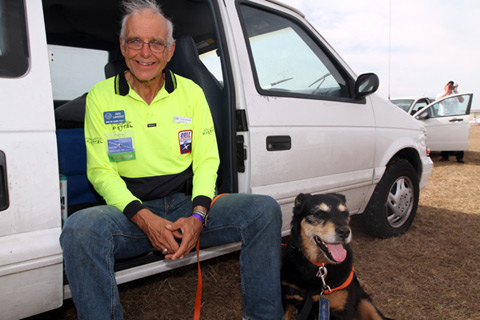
(412, 105)
(447, 122)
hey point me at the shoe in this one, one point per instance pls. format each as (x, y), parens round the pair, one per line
(444, 159)
(460, 161)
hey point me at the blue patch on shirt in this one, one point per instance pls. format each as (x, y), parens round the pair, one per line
(114, 116)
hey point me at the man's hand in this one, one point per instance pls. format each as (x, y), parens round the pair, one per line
(156, 230)
(189, 230)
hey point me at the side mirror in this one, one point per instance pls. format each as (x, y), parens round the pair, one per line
(365, 85)
(423, 116)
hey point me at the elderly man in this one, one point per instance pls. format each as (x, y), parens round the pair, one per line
(149, 137)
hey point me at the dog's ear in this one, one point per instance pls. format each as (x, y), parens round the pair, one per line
(299, 202)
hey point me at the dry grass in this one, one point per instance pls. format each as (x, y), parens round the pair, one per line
(431, 272)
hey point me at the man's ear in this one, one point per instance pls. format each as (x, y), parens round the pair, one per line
(122, 46)
(171, 51)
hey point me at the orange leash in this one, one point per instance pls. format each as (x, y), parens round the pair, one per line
(198, 297)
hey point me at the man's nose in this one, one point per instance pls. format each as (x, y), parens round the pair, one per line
(146, 50)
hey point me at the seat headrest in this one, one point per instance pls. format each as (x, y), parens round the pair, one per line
(112, 68)
(185, 56)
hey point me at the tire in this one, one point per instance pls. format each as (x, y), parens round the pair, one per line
(394, 202)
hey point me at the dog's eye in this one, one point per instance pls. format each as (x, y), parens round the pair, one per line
(313, 219)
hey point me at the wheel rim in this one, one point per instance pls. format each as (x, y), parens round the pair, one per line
(400, 202)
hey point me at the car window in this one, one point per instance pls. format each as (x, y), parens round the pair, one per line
(453, 106)
(419, 106)
(287, 60)
(403, 104)
(14, 52)
(75, 70)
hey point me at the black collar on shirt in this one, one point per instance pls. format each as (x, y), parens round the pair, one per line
(122, 88)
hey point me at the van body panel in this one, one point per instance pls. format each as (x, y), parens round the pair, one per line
(31, 264)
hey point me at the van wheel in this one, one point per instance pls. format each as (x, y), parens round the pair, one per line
(394, 203)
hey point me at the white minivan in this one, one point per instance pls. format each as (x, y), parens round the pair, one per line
(289, 113)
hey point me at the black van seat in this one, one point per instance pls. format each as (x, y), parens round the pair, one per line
(186, 62)
(72, 113)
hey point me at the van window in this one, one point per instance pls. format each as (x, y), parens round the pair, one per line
(287, 60)
(14, 54)
(212, 62)
(75, 70)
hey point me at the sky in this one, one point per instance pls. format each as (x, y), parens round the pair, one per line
(415, 47)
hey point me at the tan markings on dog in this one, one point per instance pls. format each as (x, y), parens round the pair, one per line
(293, 296)
(336, 300)
(342, 207)
(285, 283)
(366, 311)
(310, 248)
(323, 207)
(289, 311)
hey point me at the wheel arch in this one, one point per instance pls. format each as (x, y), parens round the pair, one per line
(412, 156)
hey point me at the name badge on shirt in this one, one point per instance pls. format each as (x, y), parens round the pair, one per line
(178, 119)
(185, 140)
(114, 116)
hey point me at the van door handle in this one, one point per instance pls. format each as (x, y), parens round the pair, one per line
(456, 120)
(279, 143)
(3, 183)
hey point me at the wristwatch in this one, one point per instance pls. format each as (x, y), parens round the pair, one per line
(202, 216)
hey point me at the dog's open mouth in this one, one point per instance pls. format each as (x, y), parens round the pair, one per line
(336, 251)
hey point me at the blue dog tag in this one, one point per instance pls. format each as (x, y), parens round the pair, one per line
(324, 309)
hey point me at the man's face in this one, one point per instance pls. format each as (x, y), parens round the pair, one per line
(144, 64)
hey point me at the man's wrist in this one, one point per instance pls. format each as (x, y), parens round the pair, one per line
(201, 215)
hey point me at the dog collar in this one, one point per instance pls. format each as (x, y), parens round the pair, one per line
(322, 274)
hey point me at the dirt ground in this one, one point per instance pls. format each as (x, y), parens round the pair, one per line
(431, 272)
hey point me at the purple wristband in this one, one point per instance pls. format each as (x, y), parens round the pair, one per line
(199, 217)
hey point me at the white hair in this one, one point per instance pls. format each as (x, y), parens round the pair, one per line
(135, 6)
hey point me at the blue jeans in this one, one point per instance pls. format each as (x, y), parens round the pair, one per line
(93, 238)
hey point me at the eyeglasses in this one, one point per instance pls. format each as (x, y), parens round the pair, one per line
(155, 46)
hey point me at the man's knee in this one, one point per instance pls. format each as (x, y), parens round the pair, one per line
(82, 226)
(268, 210)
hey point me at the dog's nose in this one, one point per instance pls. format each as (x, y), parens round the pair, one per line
(343, 232)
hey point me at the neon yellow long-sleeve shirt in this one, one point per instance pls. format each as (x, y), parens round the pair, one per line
(138, 152)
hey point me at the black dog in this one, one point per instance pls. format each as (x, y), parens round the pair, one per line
(317, 270)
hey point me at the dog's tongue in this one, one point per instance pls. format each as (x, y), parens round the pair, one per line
(337, 251)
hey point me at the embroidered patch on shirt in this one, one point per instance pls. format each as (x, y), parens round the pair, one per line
(114, 116)
(185, 140)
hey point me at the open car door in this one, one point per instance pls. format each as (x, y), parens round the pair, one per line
(447, 122)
